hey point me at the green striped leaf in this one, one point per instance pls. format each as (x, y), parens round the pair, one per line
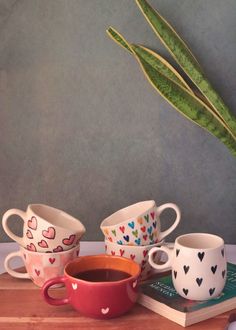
(154, 59)
(188, 104)
(187, 61)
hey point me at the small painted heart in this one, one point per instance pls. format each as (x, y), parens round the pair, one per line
(146, 217)
(122, 229)
(140, 221)
(74, 286)
(29, 234)
(52, 260)
(131, 224)
(69, 241)
(122, 252)
(37, 272)
(135, 283)
(31, 247)
(135, 233)
(105, 310)
(138, 241)
(58, 249)
(145, 253)
(152, 215)
(43, 244)
(50, 233)
(32, 223)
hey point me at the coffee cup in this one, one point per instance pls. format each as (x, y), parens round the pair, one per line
(198, 265)
(41, 267)
(138, 224)
(99, 286)
(136, 253)
(45, 229)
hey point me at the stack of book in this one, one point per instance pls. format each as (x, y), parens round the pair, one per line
(158, 294)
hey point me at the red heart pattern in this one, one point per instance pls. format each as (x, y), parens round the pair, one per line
(52, 260)
(50, 233)
(37, 272)
(32, 223)
(122, 252)
(69, 241)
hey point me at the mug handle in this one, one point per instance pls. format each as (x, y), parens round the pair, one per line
(47, 285)
(160, 209)
(11, 271)
(167, 264)
(5, 218)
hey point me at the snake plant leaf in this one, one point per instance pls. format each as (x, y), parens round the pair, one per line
(188, 104)
(187, 61)
(154, 59)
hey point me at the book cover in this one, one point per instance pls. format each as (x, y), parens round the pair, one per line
(159, 295)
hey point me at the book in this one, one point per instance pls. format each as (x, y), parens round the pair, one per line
(158, 294)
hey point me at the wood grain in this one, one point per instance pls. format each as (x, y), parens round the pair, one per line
(22, 307)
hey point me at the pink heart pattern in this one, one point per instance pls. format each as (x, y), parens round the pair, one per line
(31, 247)
(29, 234)
(50, 233)
(58, 249)
(32, 223)
(43, 244)
(69, 241)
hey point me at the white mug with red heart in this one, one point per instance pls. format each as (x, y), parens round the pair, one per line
(139, 254)
(41, 267)
(45, 229)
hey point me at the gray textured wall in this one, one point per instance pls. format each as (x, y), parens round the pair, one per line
(81, 128)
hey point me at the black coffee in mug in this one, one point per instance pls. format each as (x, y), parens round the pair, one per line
(102, 275)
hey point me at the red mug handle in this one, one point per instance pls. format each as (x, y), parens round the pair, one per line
(47, 285)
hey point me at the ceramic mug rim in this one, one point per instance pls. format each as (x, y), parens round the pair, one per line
(75, 222)
(110, 222)
(218, 241)
(104, 283)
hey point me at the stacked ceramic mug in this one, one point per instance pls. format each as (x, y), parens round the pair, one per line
(50, 239)
(133, 231)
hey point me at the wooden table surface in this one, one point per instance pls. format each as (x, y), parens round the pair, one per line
(22, 307)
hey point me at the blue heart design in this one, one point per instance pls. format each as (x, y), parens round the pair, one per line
(126, 238)
(119, 242)
(138, 241)
(149, 230)
(154, 224)
(131, 224)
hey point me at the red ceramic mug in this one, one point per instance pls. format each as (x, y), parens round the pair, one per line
(98, 286)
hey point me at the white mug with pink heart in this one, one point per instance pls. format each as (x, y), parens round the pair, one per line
(45, 229)
(41, 267)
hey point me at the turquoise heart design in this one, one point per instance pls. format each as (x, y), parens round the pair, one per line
(150, 230)
(131, 224)
(119, 242)
(138, 241)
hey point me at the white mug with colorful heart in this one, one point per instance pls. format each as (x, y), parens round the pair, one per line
(45, 229)
(198, 265)
(139, 254)
(41, 267)
(138, 224)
